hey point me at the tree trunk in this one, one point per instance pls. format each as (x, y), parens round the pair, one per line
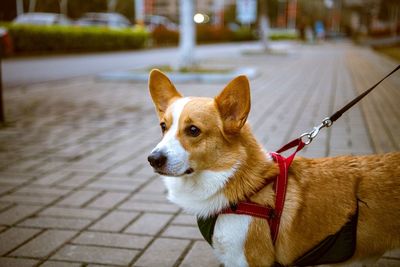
(264, 24)
(32, 5)
(139, 12)
(187, 34)
(111, 5)
(394, 19)
(20, 7)
(64, 7)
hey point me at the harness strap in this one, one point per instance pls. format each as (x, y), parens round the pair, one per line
(252, 209)
(280, 194)
(272, 215)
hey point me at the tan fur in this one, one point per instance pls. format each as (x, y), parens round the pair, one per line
(162, 91)
(321, 194)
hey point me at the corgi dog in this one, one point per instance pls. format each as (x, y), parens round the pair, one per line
(210, 160)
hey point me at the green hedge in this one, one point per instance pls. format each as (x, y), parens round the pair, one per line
(205, 33)
(244, 34)
(283, 35)
(32, 38)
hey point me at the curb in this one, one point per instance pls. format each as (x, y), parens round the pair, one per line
(142, 76)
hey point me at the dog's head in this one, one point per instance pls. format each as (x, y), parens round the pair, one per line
(198, 133)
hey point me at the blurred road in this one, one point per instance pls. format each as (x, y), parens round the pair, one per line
(25, 71)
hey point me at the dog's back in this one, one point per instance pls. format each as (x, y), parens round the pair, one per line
(324, 193)
(379, 195)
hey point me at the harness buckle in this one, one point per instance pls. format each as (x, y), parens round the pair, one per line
(308, 137)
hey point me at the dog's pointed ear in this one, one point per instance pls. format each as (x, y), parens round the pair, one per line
(162, 91)
(234, 104)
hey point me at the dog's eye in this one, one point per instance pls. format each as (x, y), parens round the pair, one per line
(193, 131)
(163, 126)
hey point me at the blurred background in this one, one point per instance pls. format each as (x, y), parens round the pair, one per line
(65, 26)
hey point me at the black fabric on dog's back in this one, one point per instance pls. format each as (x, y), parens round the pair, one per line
(335, 248)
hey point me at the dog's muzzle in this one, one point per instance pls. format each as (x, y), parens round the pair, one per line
(157, 159)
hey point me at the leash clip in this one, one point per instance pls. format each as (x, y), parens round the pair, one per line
(307, 138)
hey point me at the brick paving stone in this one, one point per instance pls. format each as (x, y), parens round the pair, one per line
(78, 198)
(386, 263)
(149, 197)
(163, 252)
(393, 254)
(107, 200)
(12, 262)
(14, 237)
(60, 264)
(123, 169)
(112, 240)
(28, 199)
(113, 186)
(90, 254)
(17, 213)
(49, 166)
(42, 245)
(4, 188)
(156, 186)
(25, 165)
(149, 206)
(185, 219)
(114, 221)
(14, 179)
(72, 212)
(146, 171)
(118, 179)
(53, 178)
(56, 223)
(200, 255)
(149, 224)
(189, 232)
(31, 190)
(76, 180)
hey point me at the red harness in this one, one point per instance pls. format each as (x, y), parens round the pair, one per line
(272, 215)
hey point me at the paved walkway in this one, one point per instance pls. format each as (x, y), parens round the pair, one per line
(75, 186)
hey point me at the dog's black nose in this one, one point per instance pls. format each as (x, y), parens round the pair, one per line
(157, 159)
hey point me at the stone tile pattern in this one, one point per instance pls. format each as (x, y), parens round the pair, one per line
(75, 187)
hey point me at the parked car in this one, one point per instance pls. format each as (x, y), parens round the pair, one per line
(153, 21)
(38, 18)
(114, 20)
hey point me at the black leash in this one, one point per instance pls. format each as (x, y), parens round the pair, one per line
(340, 112)
(327, 122)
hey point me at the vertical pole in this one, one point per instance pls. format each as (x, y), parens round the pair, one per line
(139, 12)
(187, 34)
(291, 13)
(111, 5)
(20, 7)
(218, 10)
(2, 117)
(32, 5)
(264, 24)
(64, 7)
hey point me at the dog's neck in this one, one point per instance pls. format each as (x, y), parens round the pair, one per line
(205, 193)
(254, 172)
